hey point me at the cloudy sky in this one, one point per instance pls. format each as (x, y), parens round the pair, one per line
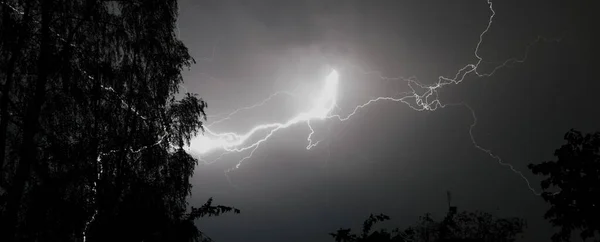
(387, 158)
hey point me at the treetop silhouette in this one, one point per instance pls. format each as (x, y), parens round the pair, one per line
(91, 133)
(572, 186)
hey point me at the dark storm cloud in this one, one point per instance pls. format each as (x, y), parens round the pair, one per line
(388, 158)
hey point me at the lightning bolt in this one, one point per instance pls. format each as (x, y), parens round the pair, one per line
(261, 103)
(322, 109)
(233, 142)
(326, 102)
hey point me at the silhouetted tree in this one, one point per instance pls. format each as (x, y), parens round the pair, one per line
(91, 135)
(455, 227)
(345, 235)
(572, 186)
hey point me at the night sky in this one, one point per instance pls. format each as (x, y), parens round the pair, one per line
(387, 158)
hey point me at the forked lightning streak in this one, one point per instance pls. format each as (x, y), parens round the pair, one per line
(323, 109)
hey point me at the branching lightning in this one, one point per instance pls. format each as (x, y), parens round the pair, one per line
(323, 109)
(261, 103)
(233, 142)
(324, 105)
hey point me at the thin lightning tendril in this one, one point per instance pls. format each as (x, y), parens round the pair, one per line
(263, 102)
(324, 105)
(494, 156)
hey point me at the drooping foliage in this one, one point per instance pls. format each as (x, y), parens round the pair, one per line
(91, 135)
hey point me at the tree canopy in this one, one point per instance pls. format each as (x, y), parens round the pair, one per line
(464, 226)
(91, 134)
(572, 186)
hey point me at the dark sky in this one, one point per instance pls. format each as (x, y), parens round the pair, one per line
(388, 158)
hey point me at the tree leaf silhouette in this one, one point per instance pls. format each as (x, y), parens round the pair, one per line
(572, 185)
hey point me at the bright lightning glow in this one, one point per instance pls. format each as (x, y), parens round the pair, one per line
(324, 104)
(263, 102)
